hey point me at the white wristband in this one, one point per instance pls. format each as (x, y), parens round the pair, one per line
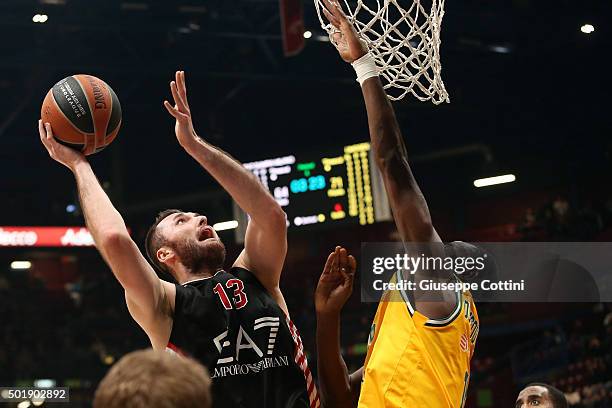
(365, 67)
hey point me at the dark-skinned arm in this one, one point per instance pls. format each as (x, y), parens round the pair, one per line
(408, 204)
(338, 388)
(407, 201)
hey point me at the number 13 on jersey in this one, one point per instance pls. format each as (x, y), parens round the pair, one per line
(239, 297)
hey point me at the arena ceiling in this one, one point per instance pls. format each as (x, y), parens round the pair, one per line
(524, 81)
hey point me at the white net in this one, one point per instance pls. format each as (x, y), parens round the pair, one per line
(404, 37)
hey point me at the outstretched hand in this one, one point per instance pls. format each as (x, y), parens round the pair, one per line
(185, 133)
(62, 154)
(336, 282)
(346, 39)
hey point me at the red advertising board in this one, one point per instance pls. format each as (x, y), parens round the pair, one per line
(45, 237)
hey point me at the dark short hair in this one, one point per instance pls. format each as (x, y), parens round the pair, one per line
(154, 240)
(464, 249)
(556, 396)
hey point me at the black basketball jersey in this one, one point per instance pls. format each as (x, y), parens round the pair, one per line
(231, 324)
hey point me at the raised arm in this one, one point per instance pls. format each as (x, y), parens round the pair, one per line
(407, 202)
(266, 235)
(149, 300)
(338, 388)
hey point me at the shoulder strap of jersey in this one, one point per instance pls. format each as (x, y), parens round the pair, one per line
(408, 297)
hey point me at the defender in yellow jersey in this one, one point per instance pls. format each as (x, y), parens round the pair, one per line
(421, 347)
(413, 361)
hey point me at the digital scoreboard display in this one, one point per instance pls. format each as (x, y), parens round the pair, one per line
(342, 187)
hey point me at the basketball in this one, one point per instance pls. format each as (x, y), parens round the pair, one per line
(84, 113)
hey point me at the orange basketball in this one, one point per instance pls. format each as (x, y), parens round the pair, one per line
(84, 113)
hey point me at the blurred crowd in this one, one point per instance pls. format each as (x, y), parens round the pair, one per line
(71, 336)
(563, 220)
(587, 380)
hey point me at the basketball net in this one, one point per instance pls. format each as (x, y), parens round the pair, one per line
(405, 41)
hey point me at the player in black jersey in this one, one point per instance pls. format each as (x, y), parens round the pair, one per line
(236, 322)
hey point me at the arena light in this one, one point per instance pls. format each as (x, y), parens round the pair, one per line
(491, 181)
(45, 383)
(307, 34)
(226, 225)
(500, 49)
(24, 404)
(40, 18)
(587, 28)
(21, 265)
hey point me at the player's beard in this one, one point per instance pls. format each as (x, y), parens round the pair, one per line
(197, 256)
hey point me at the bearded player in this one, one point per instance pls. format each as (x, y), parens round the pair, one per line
(420, 347)
(235, 322)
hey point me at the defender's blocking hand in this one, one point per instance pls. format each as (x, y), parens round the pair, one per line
(336, 282)
(347, 41)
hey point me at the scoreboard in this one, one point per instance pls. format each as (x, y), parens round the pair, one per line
(336, 188)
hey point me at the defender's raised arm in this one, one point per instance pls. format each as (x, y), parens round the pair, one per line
(338, 388)
(407, 202)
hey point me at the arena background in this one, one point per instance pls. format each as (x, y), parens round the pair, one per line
(529, 93)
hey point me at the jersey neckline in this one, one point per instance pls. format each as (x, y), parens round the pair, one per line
(201, 279)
